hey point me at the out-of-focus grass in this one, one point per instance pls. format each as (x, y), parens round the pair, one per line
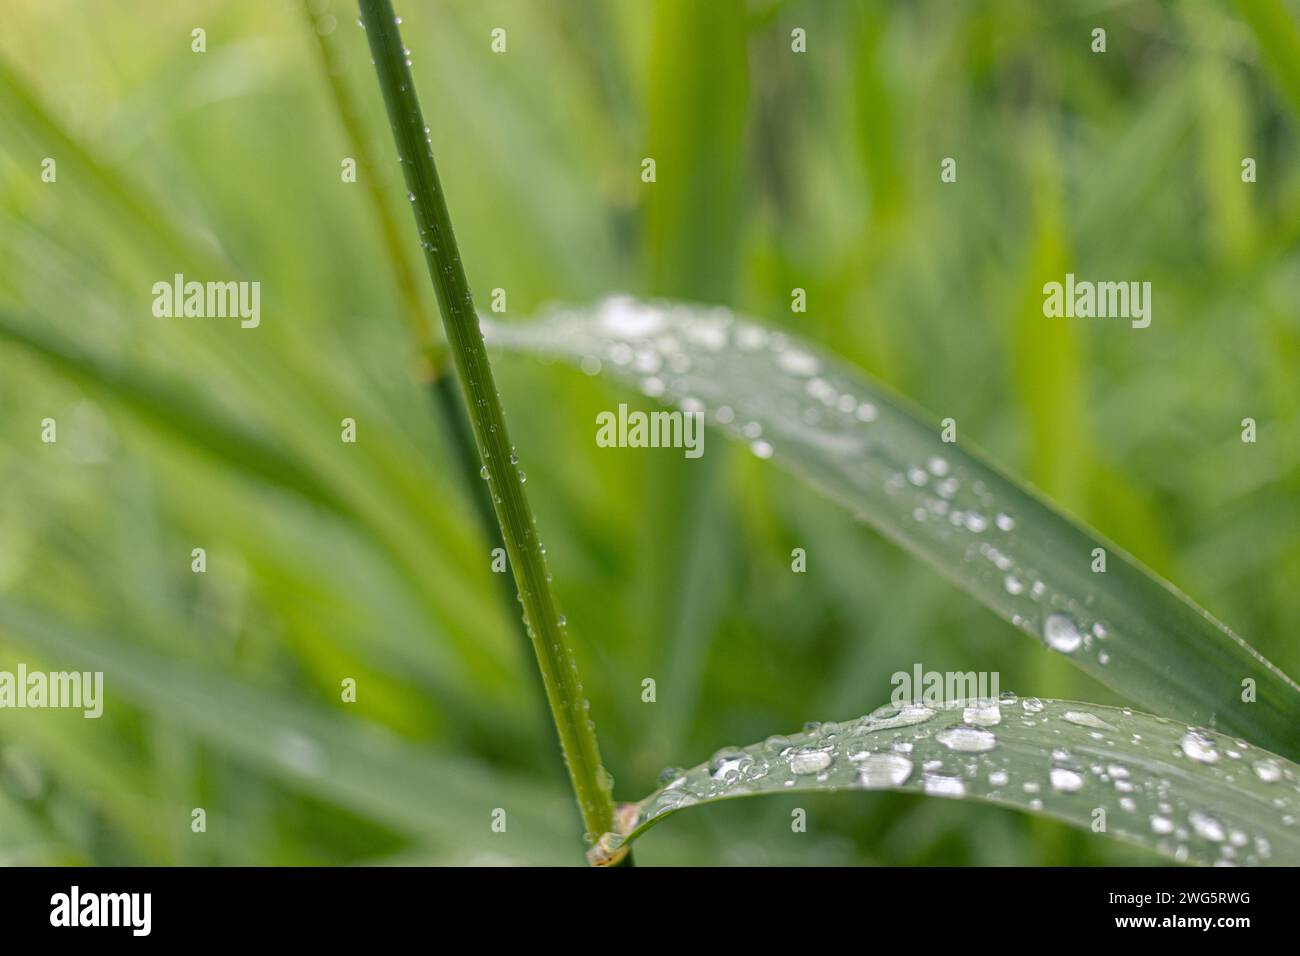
(775, 170)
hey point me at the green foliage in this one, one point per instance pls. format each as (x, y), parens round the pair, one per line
(546, 627)
(920, 484)
(175, 434)
(1194, 796)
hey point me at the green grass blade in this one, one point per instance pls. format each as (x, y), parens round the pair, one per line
(435, 372)
(422, 323)
(546, 626)
(1195, 796)
(170, 409)
(1279, 40)
(697, 118)
(347, 761)
(885, 461)
(181, 414)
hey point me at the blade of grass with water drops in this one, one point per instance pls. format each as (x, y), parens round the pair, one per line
(887, 462)
(1193, 795)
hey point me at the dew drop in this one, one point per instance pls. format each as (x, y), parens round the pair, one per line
(797, 362)
(1199, 747)
(1206, 826)
(884, 770)
(673, 799)
(888, 717)
(983, 714)
(777, 744)
(1061, 634)
(727, 761)
(1268, 771)
(808, 761)
(966, 739)
(1082, 718)
(1067, 781)
(940, 786)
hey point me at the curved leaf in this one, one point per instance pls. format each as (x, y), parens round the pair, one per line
(888, 463)
(1193, 795)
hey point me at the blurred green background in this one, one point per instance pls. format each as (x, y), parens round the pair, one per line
(775, 170)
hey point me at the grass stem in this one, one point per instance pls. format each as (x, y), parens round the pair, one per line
(546, 627)
(434, 372)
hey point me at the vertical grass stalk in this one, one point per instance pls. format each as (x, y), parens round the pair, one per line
(432, 352)
(546, 627)
(433, 371)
